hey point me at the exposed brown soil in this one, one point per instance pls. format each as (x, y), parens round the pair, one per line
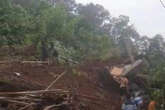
(94, 89)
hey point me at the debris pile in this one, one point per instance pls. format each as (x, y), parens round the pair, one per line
(36, 100)
(44, 86)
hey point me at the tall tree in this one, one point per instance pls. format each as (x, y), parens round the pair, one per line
(124, 35)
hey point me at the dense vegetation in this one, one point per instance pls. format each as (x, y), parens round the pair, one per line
(63, 29)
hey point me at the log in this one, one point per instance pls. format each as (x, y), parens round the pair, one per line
(31, 62)
(34, 92)
(20, 98)
(40, 62)
(15, 101)
(130, 67)
(122, 71)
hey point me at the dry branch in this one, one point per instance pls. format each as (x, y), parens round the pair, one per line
(54, 105)
(15, 101)
(55, 80)
(27, 99)
(25, 107)
(33, 92)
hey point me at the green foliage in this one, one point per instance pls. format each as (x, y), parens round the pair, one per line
(13, 23)
(64, 52)
(152, 50)
(57, 27)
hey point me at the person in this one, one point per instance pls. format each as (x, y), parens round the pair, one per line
(151, 105)
(146, 100)
(129, 104)
(123, 81)
(162, 107)
(138, 100)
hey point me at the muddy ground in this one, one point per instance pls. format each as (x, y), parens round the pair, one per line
(94, 88)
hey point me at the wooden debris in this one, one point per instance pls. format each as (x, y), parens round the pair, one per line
(55, 81)
(54, 105)
(122, 71)
(33, 92)
(130, 67)
(24, 62)
(25, 100)
(116, 71)
(27, 106)
(15, 101)
(31, 62)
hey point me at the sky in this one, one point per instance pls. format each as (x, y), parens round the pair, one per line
(148, 16)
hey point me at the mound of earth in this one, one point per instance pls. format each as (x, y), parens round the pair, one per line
(90, 83)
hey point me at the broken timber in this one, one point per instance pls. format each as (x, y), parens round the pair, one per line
(116, 71)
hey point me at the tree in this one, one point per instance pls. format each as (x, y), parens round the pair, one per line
(152, 49)
(94, 15)
(124, 35)
(13, 23)
(70, 5)
(51, 25)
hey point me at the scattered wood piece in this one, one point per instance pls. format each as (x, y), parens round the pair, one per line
(4, 62)
(15, 101)
(62, 74)
(49, 107)
(122, 71)
(34, 92)
(27, 106)
(41, 62)
(116, 71)
(24, 62)
(26, 99)
(54, 105)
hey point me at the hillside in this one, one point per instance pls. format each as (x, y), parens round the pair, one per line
(90, 90)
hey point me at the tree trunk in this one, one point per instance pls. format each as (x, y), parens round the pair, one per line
(44, 51)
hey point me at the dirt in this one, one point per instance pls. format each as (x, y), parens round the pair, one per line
(94, 89)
